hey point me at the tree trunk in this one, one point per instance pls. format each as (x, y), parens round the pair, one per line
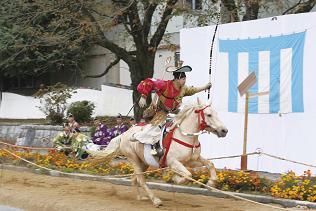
(141, 70)
(252, 9)
(229, 11)
(1, 86)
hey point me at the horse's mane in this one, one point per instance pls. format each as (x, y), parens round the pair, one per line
(182, 114)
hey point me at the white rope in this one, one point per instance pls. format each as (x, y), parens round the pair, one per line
(233, 156)
(292, 161)
(266, 154)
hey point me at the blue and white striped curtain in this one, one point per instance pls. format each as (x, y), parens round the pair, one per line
(278, 64)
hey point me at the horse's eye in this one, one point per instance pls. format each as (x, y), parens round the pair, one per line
(209, 115)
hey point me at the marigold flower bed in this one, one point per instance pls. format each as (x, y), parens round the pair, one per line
(290, 186)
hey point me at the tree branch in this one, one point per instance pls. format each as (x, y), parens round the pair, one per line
(305, 7)
(103, 41)
(291, 8)
(166, 16)
(136, 25)
(148, 17)
(105, 71)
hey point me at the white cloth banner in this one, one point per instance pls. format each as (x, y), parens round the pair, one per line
(281, 51)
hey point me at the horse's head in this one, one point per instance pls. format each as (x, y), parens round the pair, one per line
(199, 117)
(209, 120)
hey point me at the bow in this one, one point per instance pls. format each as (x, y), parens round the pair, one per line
(212, 45)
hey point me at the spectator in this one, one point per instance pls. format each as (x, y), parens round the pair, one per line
(119, 128)
(64, 140)
(74, 126)
(74, 144)
(101, 135)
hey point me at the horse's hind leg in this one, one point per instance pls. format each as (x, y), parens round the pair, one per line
(136, 188)
(138, 169)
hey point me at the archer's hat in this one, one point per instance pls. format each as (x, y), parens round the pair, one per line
(180, 72)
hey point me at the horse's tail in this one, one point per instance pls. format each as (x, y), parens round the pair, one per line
(112, 150)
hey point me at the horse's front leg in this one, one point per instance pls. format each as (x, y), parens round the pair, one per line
(179, 167)
(210, 166)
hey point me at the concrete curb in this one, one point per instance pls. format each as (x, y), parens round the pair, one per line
(168, 187)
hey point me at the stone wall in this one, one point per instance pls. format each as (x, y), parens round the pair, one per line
(32, 135)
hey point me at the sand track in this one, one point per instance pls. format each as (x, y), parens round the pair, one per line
(34, 192)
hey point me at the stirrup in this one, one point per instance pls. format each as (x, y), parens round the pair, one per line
(153, 151)
(160, 152)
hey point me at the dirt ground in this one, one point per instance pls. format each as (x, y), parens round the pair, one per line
(34, 192)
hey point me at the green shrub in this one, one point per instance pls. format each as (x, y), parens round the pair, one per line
(81, 110)
(55, 118)
(53, 101)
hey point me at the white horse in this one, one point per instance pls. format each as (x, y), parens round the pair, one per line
(184, 148)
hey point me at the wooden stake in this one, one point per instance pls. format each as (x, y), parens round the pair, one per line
(243, 165)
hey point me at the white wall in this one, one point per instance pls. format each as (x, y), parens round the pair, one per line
(109, 101)
(18, 106)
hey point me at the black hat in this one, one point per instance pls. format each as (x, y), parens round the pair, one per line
(180, 72)
(119, 115)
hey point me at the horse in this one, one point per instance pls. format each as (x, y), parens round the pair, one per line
(187, 126)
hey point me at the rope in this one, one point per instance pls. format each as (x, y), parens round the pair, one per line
(292, 161)
(266, 154)
(224, 192)
(234, 156)
(24, 147)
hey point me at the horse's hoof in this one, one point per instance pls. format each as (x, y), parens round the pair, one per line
(142, 198)
(157, 202)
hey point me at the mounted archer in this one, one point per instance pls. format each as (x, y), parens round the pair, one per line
(170, 94)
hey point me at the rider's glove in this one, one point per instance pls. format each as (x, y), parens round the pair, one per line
(208, 86)
(142, 102)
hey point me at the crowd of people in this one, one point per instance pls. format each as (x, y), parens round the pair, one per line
(74, 143)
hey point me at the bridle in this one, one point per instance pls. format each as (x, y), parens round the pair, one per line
(201, 121)
(201, 118)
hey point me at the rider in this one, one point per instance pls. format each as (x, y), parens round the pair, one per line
(170, 94)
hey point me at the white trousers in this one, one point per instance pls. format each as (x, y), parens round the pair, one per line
(150, 134)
